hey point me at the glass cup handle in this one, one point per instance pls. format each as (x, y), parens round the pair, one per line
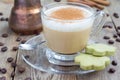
(100, 18)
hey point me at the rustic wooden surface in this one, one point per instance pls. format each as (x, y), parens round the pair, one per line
(37, 75)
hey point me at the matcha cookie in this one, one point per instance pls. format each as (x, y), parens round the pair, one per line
(90, 62)
(100, 50)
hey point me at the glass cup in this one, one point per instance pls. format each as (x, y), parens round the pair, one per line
(65, 38)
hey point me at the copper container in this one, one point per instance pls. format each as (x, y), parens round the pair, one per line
(25, 17)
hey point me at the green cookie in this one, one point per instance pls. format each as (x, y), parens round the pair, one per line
(100, 50)
(90, 62)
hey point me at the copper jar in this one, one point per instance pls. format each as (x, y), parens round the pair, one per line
(25, 17)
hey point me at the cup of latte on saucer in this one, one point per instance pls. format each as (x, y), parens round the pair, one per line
(67, 28)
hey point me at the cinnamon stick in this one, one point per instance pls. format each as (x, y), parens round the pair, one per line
(95, 4)
(83, 2)
(102, 2)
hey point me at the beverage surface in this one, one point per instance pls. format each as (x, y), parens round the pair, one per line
(68, 18)
(68, 13)
(67, 28)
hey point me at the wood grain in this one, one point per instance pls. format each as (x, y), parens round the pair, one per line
(9, 41)
(7, 1)
(38, 75)
(115, 8)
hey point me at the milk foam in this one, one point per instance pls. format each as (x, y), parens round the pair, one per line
(67, 25)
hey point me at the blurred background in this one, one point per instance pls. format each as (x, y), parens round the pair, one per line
(42, 1)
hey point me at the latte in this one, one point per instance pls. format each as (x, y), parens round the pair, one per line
(67, 28)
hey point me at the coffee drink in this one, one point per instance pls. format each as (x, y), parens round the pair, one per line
(67, 28)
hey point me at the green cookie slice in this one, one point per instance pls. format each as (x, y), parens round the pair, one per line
(90, 62)
(100, 50)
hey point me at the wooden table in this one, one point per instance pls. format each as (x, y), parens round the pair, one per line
(10, 41)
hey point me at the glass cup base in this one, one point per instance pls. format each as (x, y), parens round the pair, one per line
(60, 56)
(60, 59)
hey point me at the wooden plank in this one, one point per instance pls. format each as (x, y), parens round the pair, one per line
(44, 2)
(9, 41)
(7, 1)
(115, 8)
